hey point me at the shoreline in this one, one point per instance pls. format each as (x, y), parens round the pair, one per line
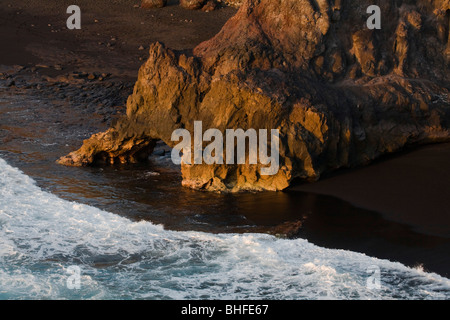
(410, 189)
(325, 220)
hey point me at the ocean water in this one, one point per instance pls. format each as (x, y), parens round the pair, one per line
(43, 237)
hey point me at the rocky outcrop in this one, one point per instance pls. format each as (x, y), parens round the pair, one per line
(148, 4)
(340, 94)
(124, 143)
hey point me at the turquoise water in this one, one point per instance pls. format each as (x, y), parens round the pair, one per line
(42, 237)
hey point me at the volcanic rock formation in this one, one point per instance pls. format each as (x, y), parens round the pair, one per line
(340, 94)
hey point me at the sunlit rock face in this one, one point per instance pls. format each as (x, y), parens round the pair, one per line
(340, 94)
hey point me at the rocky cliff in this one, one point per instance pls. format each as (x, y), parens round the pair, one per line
(340, 94)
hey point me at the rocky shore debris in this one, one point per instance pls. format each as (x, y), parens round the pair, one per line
(103, 96)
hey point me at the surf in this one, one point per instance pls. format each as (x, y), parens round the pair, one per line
(42, 236)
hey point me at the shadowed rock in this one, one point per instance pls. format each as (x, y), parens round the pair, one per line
(233, 3)
(340, 94)
(192, 4)
(210, 5)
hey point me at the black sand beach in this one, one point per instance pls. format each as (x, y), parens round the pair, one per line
(398, 208)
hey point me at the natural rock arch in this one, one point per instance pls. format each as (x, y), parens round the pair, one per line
(263, 71)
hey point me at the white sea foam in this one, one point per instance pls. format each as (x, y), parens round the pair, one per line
(42, 235)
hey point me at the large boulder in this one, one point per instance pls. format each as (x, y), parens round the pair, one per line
(340, 94)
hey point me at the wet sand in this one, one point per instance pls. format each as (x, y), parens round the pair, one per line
(397, 208)
(411, 187)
